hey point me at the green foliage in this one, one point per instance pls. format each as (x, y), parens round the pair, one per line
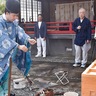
(2, 8)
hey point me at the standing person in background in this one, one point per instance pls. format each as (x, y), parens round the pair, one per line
(40, 35)
(82, 28)
(22, 23)
(23, 20)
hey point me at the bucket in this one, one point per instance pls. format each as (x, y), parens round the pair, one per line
(19, 83)
(71, 94)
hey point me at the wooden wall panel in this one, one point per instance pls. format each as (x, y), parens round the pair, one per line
(75, 10)
(67, 15)
(64, 13)
(69, 11)
(87, 9)
(57, 14)
(52, 11)
(61, 12)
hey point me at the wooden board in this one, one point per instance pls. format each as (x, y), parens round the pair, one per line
(52, 11)
(69, 11)
(57, 13)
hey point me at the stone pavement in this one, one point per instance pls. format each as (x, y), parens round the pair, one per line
(43, 72)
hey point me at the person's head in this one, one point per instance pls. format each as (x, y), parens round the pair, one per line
(23, 20)
(12, 10)
(39, 17)
(82, 13)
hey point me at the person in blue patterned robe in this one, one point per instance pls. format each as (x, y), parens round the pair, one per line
(14, 43)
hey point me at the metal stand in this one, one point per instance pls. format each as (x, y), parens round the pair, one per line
(62, 77)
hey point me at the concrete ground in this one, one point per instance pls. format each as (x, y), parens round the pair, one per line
(43, 71)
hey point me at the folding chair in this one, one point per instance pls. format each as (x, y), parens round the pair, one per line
(61, 75)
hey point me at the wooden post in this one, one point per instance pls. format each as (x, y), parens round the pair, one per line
(9, 80)
(95, 9)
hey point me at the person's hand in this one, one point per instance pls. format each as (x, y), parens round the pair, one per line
(35, 38)
(44, 38)
(32, 41)
(79, 27)
(23, 48)
(88, 41)
(95, 37)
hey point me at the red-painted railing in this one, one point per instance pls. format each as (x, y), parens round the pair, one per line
(56, 27)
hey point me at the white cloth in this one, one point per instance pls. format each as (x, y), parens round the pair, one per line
(84, 49)
(39, 24)
(4, 17)
(95, 33)
(81, 20)
(41, 43)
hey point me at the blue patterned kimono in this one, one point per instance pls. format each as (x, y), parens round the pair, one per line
(10, 36)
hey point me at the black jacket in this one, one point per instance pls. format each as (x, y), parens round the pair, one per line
(40, 32)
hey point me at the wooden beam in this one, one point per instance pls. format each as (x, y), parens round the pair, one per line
(46, 10)
(67, 1)
(95, 9)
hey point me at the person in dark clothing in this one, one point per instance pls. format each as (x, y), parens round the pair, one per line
(40, 35)
(82, 28)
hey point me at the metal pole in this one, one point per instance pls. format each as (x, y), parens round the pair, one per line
(26, 12)
(32, 9)
(9, 80)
